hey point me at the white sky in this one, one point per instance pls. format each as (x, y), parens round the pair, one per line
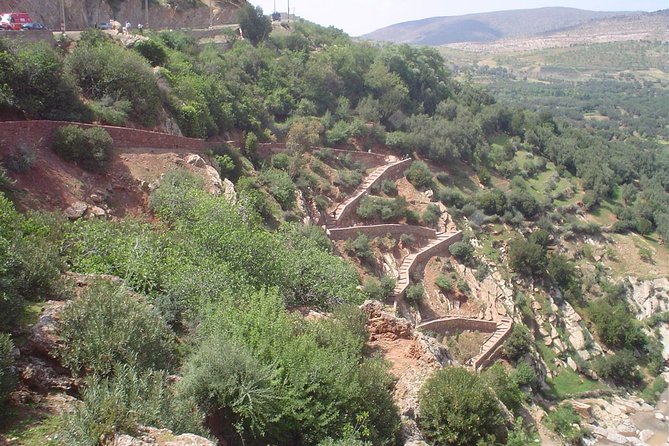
(357, 17)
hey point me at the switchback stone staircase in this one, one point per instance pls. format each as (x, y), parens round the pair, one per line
(343, 215)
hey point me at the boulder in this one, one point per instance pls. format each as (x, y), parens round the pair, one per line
(43, 338)
(195, 160)
(76, 211)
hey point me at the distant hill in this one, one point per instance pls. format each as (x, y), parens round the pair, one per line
(487, 27)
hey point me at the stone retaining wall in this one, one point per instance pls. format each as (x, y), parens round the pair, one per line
(440, 248)
(453, 324)
(265, 150)
(345, 216)
(373, 231)
(32, 132)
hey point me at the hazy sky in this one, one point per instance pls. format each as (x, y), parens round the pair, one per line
(358, 17)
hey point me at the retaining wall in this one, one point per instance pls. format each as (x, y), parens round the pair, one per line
(265, 150)
(373, 231)
(345, 216)
(13, 132)
(439, 248)
(452, 324)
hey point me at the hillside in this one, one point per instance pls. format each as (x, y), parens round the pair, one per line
(486, 27)
(652, 26)
(81, 14)
(297, 239)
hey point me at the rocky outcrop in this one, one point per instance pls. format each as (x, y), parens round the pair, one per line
(413, 356)
(80, 14)
(150, 436)
(649, 297)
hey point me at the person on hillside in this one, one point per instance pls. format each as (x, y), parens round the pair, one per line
(140, 28)
(128, 25)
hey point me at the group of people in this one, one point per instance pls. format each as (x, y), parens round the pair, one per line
(128, 25)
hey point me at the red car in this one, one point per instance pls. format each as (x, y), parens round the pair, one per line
(14, 20)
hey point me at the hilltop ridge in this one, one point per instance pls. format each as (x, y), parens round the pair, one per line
(489, 26)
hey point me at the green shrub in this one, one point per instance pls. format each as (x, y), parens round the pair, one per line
(444, 283)
(7, 374)
(564, 421)
(389, 187)
(419, 175)
(281, 186)
(227, 381)
(109, 325)
(526, 257)
(377, 208)
(360, 247)
(379, 290)
(123, 402)
(152, 51)
(616, 326)
(463, 251)
(109, 70)
(452, 197)
(651, 394)
(505, 387)
(620, 368)
(518, 343)
(457, 408)
(525, 376)
(90, 146)
(431, 215)
(415, 293)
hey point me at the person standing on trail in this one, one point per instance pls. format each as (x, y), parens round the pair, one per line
(127, 26)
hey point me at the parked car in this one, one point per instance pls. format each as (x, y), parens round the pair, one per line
(14, 20)
(103, 25)
(33, 26)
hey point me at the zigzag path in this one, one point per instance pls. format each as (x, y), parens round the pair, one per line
(392, 169)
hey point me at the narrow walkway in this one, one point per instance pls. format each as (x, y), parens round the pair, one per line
(389, 170)
(491, 348)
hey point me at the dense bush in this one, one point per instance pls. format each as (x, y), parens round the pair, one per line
(30, 264)
(518, 343)
(506, 388)
(90, 146)
(621, 368)
(108, 325)
(281, 186)
(104, 69)
(564, 421)
(463, 251)
(153, 51)
(302, 381)
(431, 215)
(616, 326)
(444, 283)
(415, 293)
(125, 401)
(379, 290)
(458, 408)
(384, 209)
(7, 373)
(526, 257)
(419, 175)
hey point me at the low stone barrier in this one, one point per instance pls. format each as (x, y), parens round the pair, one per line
(373, 231)
(32, 132)
(453, 324)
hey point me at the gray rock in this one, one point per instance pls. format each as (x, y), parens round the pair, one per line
(616, 438)
(76, 211)
(195, 160)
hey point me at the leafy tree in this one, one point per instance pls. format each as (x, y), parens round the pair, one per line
(457, 408)
(415, 293)
(526, 257)
(431, 215)
(108, 325)
(621, 368)
(616, 326)
(505, 387)
(419, 175)
(518, 343)
(280, 186)
(463, 251)
(492, 202)
(254, 24)
(304, 134)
